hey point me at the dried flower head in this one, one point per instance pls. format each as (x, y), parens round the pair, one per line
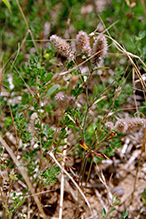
(100, 49)
(121, 125)
(61, 101)
(61, 46)
(83, 43)
(109, 126)
(135, 123)
(71, 101)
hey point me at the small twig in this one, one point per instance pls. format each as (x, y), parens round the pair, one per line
(39, 193)
(133, 77)
(61, 196)
(62, 183)
(19, 48)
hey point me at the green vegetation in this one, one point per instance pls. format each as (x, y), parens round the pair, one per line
(52, 104)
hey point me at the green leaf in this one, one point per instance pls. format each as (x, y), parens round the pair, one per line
(111, 210)
(77, 91)
(20, 203)
(63, 143)
(49, 77)
(6, 2)
(124, 215)
(52, 89)
(104, 212)
(53, 60)
(118, 202)
(144, 200)
(8, 121)
(1, 150)
(59, 150)
(114, 199)
(11, 211)
(15, 204)
(144, 192)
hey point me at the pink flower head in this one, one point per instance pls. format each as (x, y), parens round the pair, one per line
(135, 123)
(121, 125)
(83, 43)
(100, 49)
(61, 46)
(109, 126)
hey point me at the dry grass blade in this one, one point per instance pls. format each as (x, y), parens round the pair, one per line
(102, 179)
(24, 176)
(129, 55)
(62, 183)
(53, 157)
(21, 11)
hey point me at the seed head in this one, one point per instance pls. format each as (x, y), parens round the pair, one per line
(99, 47)
(61, 101)
(135, 123)
(109, 126)
(83, 43)
(121, 125)
(61, 46)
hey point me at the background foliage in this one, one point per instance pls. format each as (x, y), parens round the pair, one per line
(30, 123)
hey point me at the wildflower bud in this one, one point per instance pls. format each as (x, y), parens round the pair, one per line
(100, 49)
(109, 126)
(61, 46)
(71, 101)
(83, 43)
(135, 124)
(61, 101)
(121, 126)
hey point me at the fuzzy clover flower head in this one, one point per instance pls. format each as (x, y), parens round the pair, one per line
(135, 124)
(121, 126)
(109, 126)
(100, 49)
(61, 101)
(83, 43)
(61, 46)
